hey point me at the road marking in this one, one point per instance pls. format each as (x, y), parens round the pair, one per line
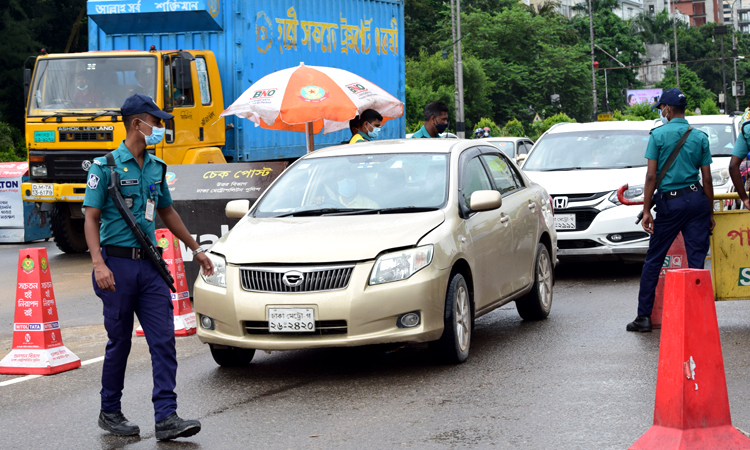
(31, 377)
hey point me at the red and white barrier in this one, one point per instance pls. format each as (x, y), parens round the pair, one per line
(184, 317)
(692, 406)
(37, 339)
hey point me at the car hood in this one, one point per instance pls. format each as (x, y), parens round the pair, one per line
(299, 240)
(587, 181)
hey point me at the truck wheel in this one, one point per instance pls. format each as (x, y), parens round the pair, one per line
(537, 303)
(67, 231)
(453, 345)
(231, 356)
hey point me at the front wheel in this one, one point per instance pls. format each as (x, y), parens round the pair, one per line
(537, 304)
(231, 356)
(453, 345)
(68, 232)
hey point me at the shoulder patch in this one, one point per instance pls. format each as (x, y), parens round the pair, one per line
(93, 181)
(98, 163)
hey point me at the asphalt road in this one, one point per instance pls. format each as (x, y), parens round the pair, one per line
(574, 381)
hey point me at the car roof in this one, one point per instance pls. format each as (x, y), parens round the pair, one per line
(504, 138)
(567, 127)
(713, 118)
(392, 146)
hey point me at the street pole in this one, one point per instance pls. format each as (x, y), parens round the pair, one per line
(676, 58)
(593, 70)
(724, 78)
(734, 54)
(458, 72)
(606, 90)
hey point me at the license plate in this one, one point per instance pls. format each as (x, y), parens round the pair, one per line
(44, 136)
(291, 320)
(42, 190)
(565, 221)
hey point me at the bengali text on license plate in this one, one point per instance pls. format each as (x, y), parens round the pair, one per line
(565, 221)
(42, 190)
(291, 320)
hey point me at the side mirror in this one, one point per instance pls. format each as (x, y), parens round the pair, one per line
(485, 200)
(521, 158)
(26, 83)
(237, 209)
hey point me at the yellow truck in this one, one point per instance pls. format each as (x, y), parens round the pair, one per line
(73, 116)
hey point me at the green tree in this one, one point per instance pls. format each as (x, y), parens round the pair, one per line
(514, 128)
(12, 143)
(654, 29)
(495, 131)
(642, 110)
(538, 128)
(690, 84)
(708, 107)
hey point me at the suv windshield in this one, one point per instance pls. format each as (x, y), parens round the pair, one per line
(361, 183)
(600, 149)
(90, 83)
(720, 137)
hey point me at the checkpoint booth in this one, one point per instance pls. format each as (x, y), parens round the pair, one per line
(730, 250)
(19, 221)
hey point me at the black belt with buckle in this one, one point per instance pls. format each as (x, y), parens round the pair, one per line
(669, 195)
(125, 252)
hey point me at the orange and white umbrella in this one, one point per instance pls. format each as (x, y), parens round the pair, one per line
(310, 99)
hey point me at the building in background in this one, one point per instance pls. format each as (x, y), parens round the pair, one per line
(694, 13)
(628, 9)
(654, 59)
(743, 17)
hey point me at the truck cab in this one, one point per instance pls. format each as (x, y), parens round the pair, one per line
(73, 116)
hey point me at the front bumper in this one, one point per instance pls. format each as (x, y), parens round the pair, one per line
(370, 312)
(61, 192)
(616, 220)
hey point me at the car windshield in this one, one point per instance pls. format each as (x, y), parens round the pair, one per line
(90, 83)
(505, 146)
(600, 149)
(358, 184)
(720, 138)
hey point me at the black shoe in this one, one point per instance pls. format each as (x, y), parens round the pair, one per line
(117, 424)
(174, 427)
(641, 323)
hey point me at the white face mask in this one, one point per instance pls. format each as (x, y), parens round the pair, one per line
(663, 118)
(82, 88)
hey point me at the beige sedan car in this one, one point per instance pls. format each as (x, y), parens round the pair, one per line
(382, 242)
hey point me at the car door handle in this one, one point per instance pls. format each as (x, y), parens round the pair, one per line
(532, 205)
(505, 219)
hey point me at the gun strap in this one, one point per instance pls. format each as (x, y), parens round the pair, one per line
(672, 157)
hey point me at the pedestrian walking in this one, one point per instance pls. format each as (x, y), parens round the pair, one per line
(676, 154)
(435, 121)
(124, 277)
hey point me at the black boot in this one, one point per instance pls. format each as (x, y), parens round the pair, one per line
(174, 427)
(641, 323)
(117, 424)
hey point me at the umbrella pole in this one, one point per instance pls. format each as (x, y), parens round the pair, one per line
(309, 139)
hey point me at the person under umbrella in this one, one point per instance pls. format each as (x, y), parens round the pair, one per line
(368, 129)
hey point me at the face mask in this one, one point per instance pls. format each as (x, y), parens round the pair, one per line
(347, 187)
(157, 134)
(663, 118)
(374, 133)
(82, 88)
(440, 127)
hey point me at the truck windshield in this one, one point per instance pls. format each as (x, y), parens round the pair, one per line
(376, 183)
(67, 84)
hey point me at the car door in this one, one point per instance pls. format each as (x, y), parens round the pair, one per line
(522, 205)
(489, 234)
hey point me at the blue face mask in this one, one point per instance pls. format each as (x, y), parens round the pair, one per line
(347, 187)
(663, 118)
(374, 133)
(157, 134)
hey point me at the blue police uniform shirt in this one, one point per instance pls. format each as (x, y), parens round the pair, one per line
(740, 145)
(422, 133)
(135, 183)
(694, 154)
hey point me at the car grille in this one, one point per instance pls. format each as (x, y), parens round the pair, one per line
(583, 197)
(322, 327)
(572, 244)
(584, 217)
(314, 279)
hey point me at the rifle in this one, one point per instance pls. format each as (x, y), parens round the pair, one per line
(146, 245)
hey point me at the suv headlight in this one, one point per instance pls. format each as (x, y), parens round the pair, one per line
(719, 177)
(633, 193)
(401, 265)
(219, 277)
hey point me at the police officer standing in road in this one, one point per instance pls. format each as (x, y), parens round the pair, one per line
(435, 121)
(682, 205)
(740, 152)
(126, 279)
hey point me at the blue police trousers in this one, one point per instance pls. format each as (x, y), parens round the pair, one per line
(691, 214)
(138, 289)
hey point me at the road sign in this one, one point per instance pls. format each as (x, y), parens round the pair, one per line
(738, 88)
(537, 118)
(604, 117)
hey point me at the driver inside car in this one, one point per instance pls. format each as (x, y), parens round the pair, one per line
(349, 195)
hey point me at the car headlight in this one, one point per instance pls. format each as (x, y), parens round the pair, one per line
(720, 177)
(633, 193)
(219, 277)
(401, 265)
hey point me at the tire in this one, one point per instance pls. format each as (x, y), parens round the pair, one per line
(453, 346)
(537, 304)
(231, 356)
(67, 231)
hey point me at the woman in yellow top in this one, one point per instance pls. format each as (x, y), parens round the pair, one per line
(369, 126)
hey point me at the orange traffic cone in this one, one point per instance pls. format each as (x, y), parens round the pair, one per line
(37, 341)
(184, 317)
(676, 259)
(692, 406)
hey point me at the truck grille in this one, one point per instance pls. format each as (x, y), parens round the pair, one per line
(298, 279)
(66, 166)
(322, 327)
(85, 136)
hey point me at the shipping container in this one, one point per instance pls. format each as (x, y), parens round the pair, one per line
(254, 38)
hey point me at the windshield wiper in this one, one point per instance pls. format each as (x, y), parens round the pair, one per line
(561, 169)
(394, 210)
(59, 115)
(105, 112)
(313, 212)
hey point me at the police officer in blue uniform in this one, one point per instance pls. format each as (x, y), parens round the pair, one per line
(739, 153)
(682, 204)
(125, 278)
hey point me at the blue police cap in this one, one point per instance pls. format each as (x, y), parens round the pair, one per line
(673, 97)
(139, 103)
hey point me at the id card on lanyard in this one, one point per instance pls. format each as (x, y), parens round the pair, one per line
(150, 208)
